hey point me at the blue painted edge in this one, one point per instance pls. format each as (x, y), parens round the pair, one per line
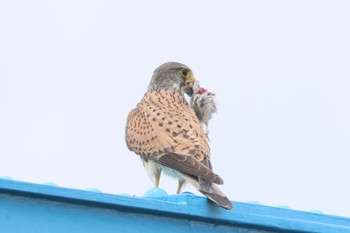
(188, 207)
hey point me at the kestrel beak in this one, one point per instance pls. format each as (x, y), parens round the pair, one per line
(189, 85)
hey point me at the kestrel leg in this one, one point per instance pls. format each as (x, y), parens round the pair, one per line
(157, 178)
(179, 187)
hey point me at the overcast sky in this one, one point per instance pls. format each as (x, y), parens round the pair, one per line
(70, 71)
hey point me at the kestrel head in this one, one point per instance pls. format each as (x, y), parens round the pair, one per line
(174, 77)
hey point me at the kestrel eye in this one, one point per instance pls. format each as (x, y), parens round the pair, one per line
(186, 73)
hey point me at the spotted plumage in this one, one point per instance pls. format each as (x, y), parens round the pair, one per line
(165, 131)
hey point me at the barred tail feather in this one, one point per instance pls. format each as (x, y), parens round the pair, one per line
(211, 191)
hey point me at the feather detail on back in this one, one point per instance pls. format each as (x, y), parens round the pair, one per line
(163, 122)
(165, 128)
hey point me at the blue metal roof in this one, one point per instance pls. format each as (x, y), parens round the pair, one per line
(26, 207)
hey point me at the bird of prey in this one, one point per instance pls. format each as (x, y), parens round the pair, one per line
(203, 103)
(165, 131)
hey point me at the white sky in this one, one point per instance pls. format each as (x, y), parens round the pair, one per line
(72, 70)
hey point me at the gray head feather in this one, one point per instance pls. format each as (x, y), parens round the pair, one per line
(166, 76)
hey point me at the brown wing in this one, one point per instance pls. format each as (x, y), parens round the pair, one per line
(164, 128)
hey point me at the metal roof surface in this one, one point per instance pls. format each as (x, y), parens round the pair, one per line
(27, 207)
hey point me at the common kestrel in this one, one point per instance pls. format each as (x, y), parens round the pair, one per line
(165, 131)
